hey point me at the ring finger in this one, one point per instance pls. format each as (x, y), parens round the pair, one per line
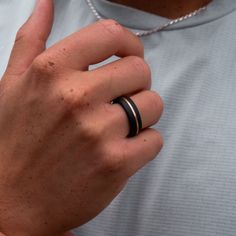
(150, 107)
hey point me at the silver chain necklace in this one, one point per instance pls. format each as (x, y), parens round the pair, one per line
(156, 29)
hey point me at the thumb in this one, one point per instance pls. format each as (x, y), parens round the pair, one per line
(31, 38)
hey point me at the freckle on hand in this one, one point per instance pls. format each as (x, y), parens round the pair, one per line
(51, 63)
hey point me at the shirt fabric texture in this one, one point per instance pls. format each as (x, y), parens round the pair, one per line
(190, 188)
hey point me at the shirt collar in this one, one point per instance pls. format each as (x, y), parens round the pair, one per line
(141, 20)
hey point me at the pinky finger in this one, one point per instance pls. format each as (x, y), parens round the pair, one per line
(141, 149)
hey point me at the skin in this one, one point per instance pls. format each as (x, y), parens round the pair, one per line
(167, 8)
(60, 164)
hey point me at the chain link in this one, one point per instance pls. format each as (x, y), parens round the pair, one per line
(156, 29)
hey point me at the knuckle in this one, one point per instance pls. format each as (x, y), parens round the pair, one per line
(74, 101)
(40, 65)
(91, 133)
(159, 140)
(21, 34)
(112, 162)
(141, 66)
(24, 35)
(156, 144)
(157, 102)
(113, 28)
(161, 104)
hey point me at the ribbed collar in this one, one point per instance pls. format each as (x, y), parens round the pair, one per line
(141, 20)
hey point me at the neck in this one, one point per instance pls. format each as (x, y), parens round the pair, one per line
(166, 8)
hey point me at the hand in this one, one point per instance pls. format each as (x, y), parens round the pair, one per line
(64, 154)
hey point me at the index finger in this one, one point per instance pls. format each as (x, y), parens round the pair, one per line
(94, 44)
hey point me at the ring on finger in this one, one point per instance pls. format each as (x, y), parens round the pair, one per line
(132, 112)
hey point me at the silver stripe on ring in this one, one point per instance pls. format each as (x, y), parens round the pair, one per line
(134, 113)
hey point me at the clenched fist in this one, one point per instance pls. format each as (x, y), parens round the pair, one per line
(64, 150)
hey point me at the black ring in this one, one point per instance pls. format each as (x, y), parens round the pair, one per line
(132, 113)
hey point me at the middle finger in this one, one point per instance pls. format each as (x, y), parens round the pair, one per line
(125, 76)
